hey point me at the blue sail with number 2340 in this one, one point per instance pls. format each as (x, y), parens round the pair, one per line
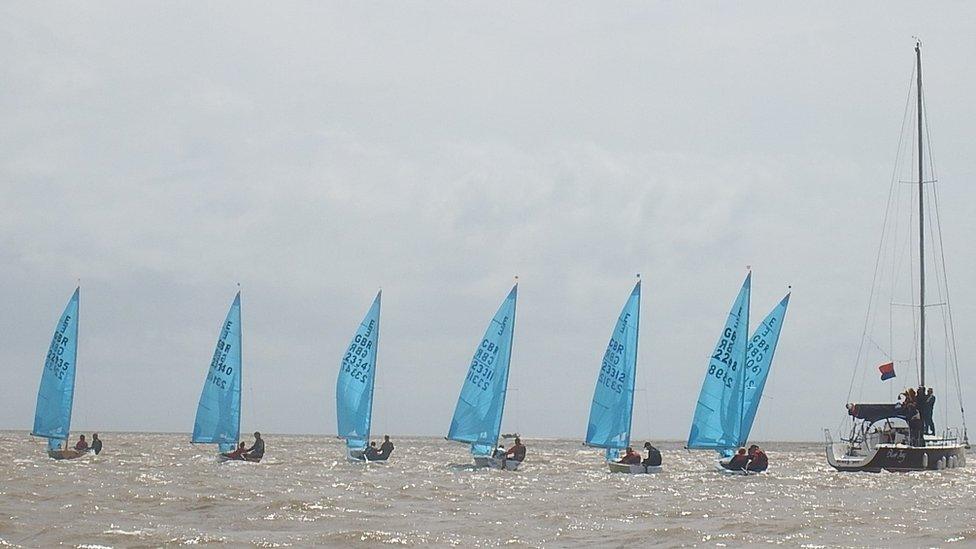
(218, 419)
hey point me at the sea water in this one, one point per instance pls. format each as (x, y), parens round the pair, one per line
(148, 490)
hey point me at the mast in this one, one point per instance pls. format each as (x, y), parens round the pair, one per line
(921, 223)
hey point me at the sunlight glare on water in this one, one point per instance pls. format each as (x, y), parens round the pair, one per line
(155, 489)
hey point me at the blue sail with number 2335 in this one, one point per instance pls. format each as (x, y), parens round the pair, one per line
(55, 396)
(478, 416)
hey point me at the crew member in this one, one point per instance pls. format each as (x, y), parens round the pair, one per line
(82, 444)
(386, 448)
(738, 461)
(758, 461)
(96, 445)
(630, 457)
(517, 451)
(236, 454)
(653, 455)
(256, 451)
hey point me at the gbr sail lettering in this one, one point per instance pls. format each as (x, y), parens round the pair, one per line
(482, 370)
(55, 362)
(356, 361)
(723, 364)
(220, 372)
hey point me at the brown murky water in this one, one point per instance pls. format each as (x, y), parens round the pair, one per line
(304, 494)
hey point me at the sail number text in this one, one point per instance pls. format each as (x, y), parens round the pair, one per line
(220, 371)
(356, 361)
(55, 362)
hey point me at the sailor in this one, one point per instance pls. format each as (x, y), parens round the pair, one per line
(653, 456)
(758, 461)
(256, 451)
(630, 457)
(929, 412)
(372, 454)
(517, 451)
(738, 461)
(915, 425)
(81, 445)
(386, 448)
(96, 445)
(921, 402)
(236, 454)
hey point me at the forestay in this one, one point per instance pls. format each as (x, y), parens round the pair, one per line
(613, 398)
(759, 359)
(478, 415)
(354, 388)
(718, 417)
(52, 416)
(219, 412)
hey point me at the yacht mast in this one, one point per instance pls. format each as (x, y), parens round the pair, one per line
(921, 224)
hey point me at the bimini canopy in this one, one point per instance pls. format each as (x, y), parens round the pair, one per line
(876, 412)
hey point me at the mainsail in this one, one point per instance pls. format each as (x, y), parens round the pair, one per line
(52, 416)
(759, 358)
(613, 398)
(354, 388)
(478, 415)
(718, 417)
(219, 412)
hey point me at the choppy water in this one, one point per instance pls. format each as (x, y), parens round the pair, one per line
(155, 489)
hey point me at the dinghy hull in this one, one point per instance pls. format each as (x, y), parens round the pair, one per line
(222, 458)
(628, 469)
(65, 454)
(497, 463)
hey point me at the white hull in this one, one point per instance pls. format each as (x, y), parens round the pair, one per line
(633, 469)
(497, 463)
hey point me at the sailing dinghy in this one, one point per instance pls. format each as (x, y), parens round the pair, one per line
(218, 419)
(613, 398)
(735, 379)
(354, 387)
(55, 397)
(478, 415)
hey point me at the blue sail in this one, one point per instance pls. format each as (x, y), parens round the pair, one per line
(718, 417)
(219, 412)
(354, 388)
(759, 359)
(613, 398)
(478, 415)
(52, 416)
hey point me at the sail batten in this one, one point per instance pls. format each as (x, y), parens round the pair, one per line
(478, 415)
(218, 419)
(356, 380)
(611, 410)
(718, 421)
(55, 396)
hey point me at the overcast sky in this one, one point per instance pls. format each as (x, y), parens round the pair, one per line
(315, 152)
